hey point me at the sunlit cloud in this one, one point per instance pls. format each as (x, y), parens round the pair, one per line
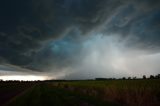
(23, 77)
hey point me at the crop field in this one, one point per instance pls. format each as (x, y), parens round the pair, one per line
(81, 93)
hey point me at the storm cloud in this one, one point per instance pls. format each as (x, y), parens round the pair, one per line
(80, 38)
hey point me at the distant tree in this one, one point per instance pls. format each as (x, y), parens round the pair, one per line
(144, 76)
(151, 77)
(157, 76)
(113, 78)
(129, 78)
(124, 78)
(134, 77)
(100, 78)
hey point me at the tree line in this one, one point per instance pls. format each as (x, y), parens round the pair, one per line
(129, 78)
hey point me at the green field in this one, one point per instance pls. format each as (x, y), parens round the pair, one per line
(81, 93)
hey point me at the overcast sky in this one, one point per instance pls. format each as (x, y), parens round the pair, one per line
(79, 39)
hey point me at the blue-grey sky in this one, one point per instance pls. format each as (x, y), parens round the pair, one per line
(80, 39)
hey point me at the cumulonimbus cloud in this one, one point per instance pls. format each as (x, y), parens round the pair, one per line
(49, 36)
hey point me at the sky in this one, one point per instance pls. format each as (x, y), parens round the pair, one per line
(79, 39)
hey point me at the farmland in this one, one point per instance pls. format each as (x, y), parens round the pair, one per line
(81, 93)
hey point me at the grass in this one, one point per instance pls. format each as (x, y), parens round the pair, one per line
(86, 93)
(125, 92)
(47, 95)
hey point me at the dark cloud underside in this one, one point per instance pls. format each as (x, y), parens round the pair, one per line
(49, 35)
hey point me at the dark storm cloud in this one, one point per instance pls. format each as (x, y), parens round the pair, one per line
(139, 20)
(48, 34)
(26, 25)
